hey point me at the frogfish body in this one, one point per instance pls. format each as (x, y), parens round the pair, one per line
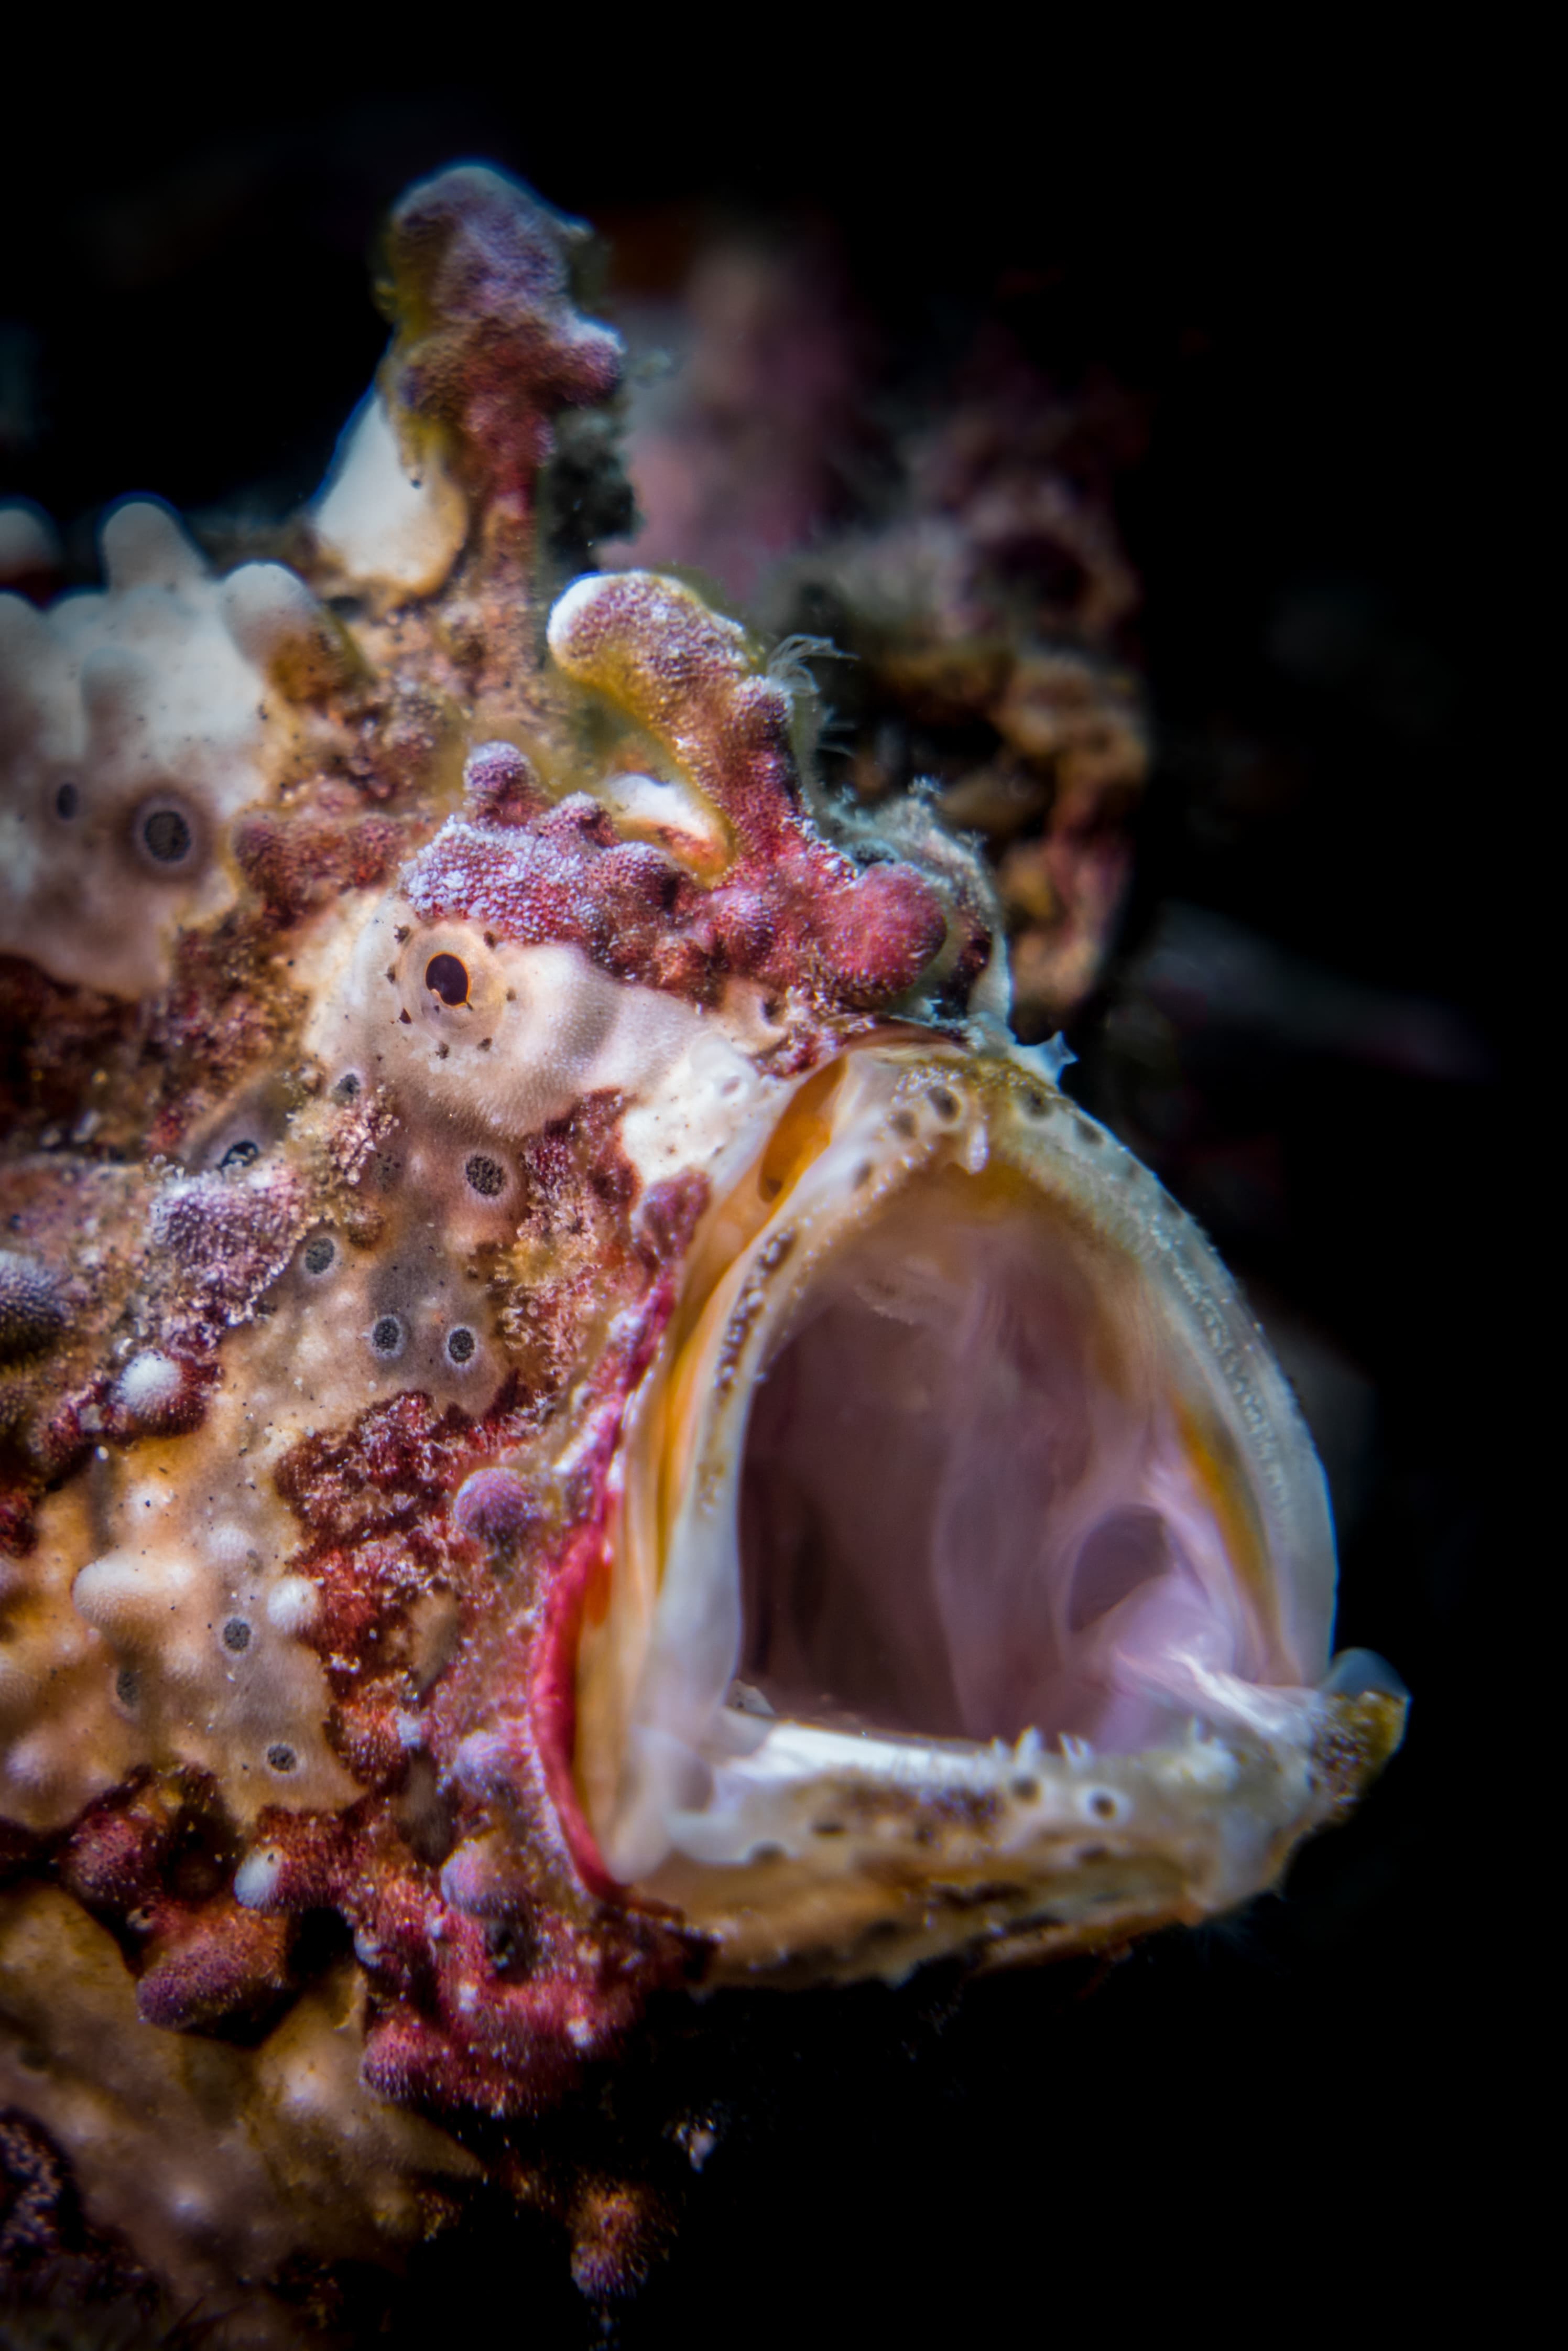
(573, 1405)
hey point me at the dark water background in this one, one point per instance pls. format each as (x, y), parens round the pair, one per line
(1282, 2119)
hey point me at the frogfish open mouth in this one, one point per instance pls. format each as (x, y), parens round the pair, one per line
(578, 1417)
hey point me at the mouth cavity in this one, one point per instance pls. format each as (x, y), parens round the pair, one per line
(967, 1508)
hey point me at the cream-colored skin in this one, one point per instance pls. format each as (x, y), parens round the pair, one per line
(181, 2143)
(387, 526)
(151, 699)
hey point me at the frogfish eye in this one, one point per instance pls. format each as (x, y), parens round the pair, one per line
(67, 801)
(486, 1176)
(446, 975)
(965, 1514)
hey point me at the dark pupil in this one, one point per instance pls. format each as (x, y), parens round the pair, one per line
(236, 1634)
(446, 977)
(320, 1256)
(68, 800)
(460, 1346)
(167, 835)
(125, 1685)
(281, 1758)
(386, 1334)
(487, 1176)
(346, 1087)
(240, 1154)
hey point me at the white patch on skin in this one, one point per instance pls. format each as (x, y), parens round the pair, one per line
(148, 1386)
(672, 817)
(383, 529)
(29, 541)
(541, 1027)
(258, 1877)
(292, 1605)
(150, 696)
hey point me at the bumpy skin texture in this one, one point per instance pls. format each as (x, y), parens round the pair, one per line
(408, 960)
(319, 1310)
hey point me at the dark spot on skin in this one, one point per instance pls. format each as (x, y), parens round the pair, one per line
(237, 1636)
(486, 1176)
(460, 1344)
(902, 1123)
(68, 800)
(386, 1335)
(1103, 1806)
(943, 1103)
(319, 1254)
(166, 836)
(406, 1019)
(280, 1757)
(828, 1828)
(1025, 1790)
(346, 1087)
(239, 1155)
(125, 1685)
(445, 977)
(510, 1945)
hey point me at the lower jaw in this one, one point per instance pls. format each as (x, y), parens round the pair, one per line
(827, 1855)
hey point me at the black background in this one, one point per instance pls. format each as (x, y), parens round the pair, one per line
(1274, 2121)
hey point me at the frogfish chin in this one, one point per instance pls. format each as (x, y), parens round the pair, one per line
(579, 1418)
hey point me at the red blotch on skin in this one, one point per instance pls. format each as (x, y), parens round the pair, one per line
(18, 1534)
(295, 863)
(489, 341)
(496, 1507)
(394, 1466)
(877, 937)
(476, 2039)
(113, 1859)
(500, 787)
(205, 1965)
